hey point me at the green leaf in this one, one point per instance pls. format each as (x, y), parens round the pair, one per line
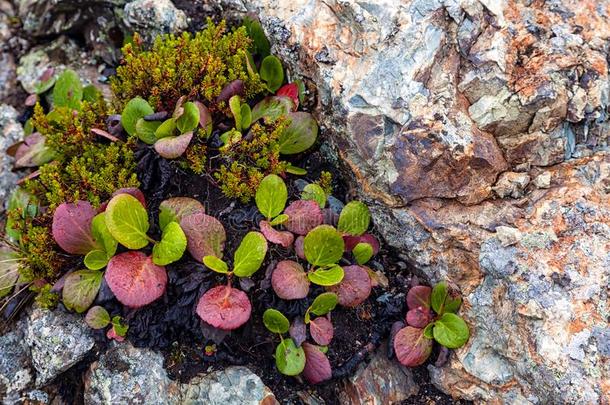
(315, 193)
(280, 219)
(216, 264)
(322, 304)
(300, 135)
(68, 90)
(167, 128)
(327, 277)
(250, 254)
(438, 296)
(297, 171)
(44, 85)
(354, 219)
(80, 289)
(189, 119)
(271, 196)
(19, 199)
(323, 246)
(275, 321)
(102, 235)
(127, 221)
(451, 331)
(246, 116)
(301, 87)
(91, 93)
(235, 107)
(9, 269)
(146, 130)
(135, 109)
(362, 252)
(119, 325)
(260, 43)
(96, 259)
(452, 304)
(97, 317)
(272, 108)
(289, 359)
(272, 72)
(428, 331)
(171, 247)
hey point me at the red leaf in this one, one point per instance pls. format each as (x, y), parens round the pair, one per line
(205, 235)
(172, 147)
(299, 247)
(419, 296)
(134, 279)
(303, 216)
(72, 227)
(412, 348)
(111, 334)
(321, 330)
(104, 134)
(298, 331)
(274, 236)
(289, 280)
(352, 241)
(419, 317)
(355, 287)
(290, 90)
(317, 366)
(236, 87)
(224, 307)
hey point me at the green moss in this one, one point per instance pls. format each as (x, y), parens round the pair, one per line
(196, 66)
(41, 258)
(326, 182)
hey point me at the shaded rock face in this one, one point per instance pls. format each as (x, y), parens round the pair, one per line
(15, 369)
(11, 132)
(478, 132)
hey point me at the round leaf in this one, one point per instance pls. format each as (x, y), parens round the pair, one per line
(317, 367)
(275, 321)
(9, 269)
(189, 119)
(362, 253)
(299, 247)
(205, 117)
(134, 279)
(250, 254)
(354, 218)
(355, 287)
(321, 330)
(72, 227)
(451, 331)
(246, 116)
(303, 216)
(215, 264)
(33, 152)
(80, 289)
(205, 235)
(224, 307)
(300, 135)
(352, 241)
(419, 296)
(96, 259)
(327, 277)
(289, 280)
(132, 191)
(289, 359)
(419, 317)
(272, 72)
(97, 318)
(274, 236)
(323, 246)
(135, 109)
(298, 331)
(127, 221)
(172, 245)
(280, 219)
(167, 128)
(145, 130)
(102, 235)
(290, 90)
(324, 303)
(68, 90)
(315, 193)
(412, 348)
(174, 209)
(173, 147)
(271, 108)
(271, 196)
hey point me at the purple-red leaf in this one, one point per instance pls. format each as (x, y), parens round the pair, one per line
(321, 330)
(104, 134)
(236, 87)
(317, 366)
(298, 331)
(172, 147)
(72, 227)
(352, 241)
(224, 307)
(299, 247)
(355, 287)
(132, 191)
(419, 296)
(412, 348)
(32, 152)
(289, 280)
(134, 279)
(303, 216)
(274, 236)
(205, 235)
(419, 317)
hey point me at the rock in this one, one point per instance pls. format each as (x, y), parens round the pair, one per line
(57, 340)
(508, 235)
(8, 76)
(511, 184)
(430, 104)
(543, 180)
(15, 369)
(151, 18)
(11, 132)
(381, 381)
(231, 386)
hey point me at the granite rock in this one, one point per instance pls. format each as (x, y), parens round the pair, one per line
(11, 132)
(151, 18)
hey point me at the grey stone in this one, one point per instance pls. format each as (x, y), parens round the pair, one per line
(57, 340)
(511, 184)
(16, 373)
(543, 180)
(11, 132)
(497, 259)
(508, 235)
(151, 18)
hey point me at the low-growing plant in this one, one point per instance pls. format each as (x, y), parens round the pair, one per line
(431, 317)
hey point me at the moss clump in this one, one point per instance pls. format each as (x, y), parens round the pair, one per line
(198, 67)
(250, 158)
(326, 182)
(41, 258)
